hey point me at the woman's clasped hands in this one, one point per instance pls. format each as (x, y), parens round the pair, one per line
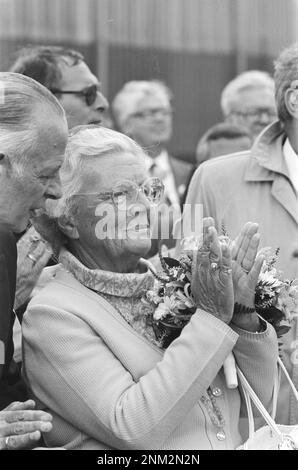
(225, 274)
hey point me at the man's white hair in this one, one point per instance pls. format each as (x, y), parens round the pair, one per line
(126, 101)
(20, 99)
(85, 143)
(250, 79)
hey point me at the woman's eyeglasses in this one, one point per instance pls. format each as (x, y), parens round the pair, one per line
(127, 192)
(89, 93)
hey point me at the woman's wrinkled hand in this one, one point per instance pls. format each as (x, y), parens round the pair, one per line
(246, 264)
(33, 255)
(212, 283)
(21, 426)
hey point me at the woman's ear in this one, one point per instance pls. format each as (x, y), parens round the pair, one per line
(68, 226)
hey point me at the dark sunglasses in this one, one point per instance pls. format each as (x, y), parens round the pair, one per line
(89, 93)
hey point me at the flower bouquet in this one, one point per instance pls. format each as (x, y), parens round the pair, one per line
(171, 298)
(276, 298)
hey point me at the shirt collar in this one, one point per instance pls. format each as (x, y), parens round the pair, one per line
(106, 282)
(162, 160)
(288, 150)
(266, 156)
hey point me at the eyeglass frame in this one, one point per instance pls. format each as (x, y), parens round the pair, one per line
(255, 113)
(151, 113)
(105, 196)
(83, 93)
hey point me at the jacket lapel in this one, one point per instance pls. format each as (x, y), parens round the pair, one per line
(284, 193)
(267, 163)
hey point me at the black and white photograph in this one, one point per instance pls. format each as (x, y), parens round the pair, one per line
(148, 229)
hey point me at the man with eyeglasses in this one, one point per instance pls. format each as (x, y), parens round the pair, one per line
(261, 185)
(142, 110)
(248, 101)
(66, 74)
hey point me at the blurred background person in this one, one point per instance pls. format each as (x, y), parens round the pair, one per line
(143, 111)
(248, 101)
(221, 139)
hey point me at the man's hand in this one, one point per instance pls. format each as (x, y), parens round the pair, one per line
(21, 426)
(33, 255)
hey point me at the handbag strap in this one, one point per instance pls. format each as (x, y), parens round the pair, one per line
(275, 392)
(283, 368)
(250, 396)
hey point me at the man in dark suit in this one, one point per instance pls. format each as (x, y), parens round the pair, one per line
(10, 386)
(33, 137)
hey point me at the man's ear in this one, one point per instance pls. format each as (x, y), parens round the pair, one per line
(291, 102)
(68, 226)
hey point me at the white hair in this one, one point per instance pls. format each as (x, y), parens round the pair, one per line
(20, 97)
(126, 101)
(86, 142)
(250, 79)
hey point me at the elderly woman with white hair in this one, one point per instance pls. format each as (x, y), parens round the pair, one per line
(89, 355)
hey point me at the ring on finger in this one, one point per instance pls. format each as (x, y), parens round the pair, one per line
(33, 259)
(214, 266)
(243, 269)
(18, 428)
(7, 442)
(226, 270)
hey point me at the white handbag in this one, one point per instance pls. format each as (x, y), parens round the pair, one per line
(271, 436)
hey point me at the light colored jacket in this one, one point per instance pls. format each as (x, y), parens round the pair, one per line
(255, 186)
(108, 387)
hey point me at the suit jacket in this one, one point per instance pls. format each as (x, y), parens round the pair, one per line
(11, 387)
(255, 186)
(108, 387)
